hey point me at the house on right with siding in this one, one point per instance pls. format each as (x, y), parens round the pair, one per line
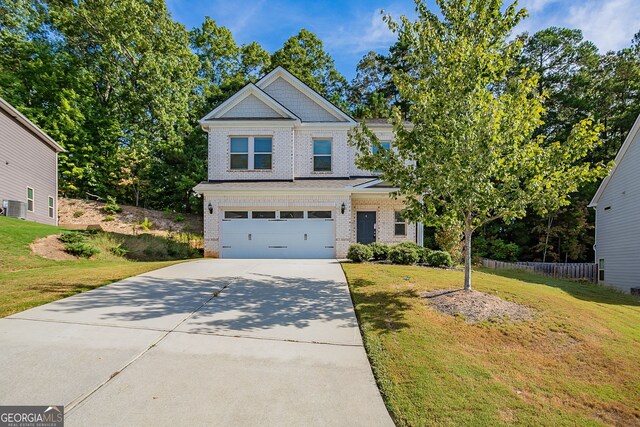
(617, 206)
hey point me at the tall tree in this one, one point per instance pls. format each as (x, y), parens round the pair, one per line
(305, 57)
(472, 154)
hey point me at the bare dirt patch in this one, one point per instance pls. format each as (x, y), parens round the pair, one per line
(51, 248)
(475, 306)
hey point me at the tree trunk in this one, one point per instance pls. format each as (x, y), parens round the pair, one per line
(467, 258)
(546, 240)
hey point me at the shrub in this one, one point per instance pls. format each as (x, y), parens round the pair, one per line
(439, 259)
(146, 224)
(404, 254)
(78, 213)
(109, 218)
(71, 237)
(111, 207)
(118, 250)
(423, 254)
(81, 249)
(503, 251)
(178, 218)
(359, 252)
(380, 251)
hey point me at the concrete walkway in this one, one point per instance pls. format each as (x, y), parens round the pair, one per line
(210, 342)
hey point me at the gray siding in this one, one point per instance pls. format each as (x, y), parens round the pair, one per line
(26, 161)
(297, 102)
(618, 227)
(251, 106)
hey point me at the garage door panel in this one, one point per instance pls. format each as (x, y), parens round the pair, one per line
(292, 238)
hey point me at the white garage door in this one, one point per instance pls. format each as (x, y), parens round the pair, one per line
(278, 234)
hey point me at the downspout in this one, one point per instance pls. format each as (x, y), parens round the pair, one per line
(420, 234)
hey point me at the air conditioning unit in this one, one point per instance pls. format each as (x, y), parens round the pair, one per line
(15, 209)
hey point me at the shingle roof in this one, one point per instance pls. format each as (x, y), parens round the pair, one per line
(300, 183)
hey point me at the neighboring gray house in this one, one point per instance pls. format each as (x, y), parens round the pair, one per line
(283, 182)
(28, 168)
(617, 206)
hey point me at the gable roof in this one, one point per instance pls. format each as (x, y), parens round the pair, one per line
(635, 129)
(10, 109)
(249, 89)
(281, 72)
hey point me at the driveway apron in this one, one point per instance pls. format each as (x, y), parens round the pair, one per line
(209, 342)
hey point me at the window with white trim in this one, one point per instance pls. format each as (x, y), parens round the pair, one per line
(250, 153)
(400, 225)
(386, 145)
(30, 204)
(50, 207)
(601, 269)
(322, 155)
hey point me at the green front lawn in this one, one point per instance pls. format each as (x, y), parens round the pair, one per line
(27, 280)
(577, 363)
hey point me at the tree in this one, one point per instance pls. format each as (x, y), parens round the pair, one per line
(472, 154)
(303, 55)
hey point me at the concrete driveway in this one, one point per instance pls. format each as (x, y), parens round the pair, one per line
(210, 342)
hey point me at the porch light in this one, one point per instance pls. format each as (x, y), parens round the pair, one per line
(342, 208)
(210, 207)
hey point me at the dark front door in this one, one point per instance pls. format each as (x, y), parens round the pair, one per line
(366, 227)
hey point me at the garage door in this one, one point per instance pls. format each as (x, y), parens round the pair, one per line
(278, 234)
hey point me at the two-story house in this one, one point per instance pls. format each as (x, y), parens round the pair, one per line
(282, 179)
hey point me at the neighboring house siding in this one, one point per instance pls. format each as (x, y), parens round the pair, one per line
(26, 161)
(297, 102)
(282, 155)
(618, 228)
(251, 107)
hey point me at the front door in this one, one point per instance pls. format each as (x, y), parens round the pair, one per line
(366, 227)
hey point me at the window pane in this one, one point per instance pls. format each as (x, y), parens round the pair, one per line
(262, 161)
(29, 193)
(401, 229)
(30, 205)
(239, 145)
(322, 163)
(291, 214)
(386, 145)
(50, 212)
(236, 215)
(262, 145)
(601, 263)
(239, 161)
(398, 216)
(50, 202)
(319, 214)
(263, 214)
(321, 146)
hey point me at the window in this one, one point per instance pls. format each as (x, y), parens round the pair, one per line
(319, 214)
(291, 214)
(30, 199)
(262, 153)
(386, 145)
(239, 153)
(400, 226)
(236, 215)
(322, 155)
(601, 269)
(251, 153)
(263, 214)
(50, 207)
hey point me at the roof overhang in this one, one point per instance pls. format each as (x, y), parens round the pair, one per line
(10, 109)
(623, 149)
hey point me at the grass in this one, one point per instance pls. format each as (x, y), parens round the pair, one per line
(576, 363)
(27, 280)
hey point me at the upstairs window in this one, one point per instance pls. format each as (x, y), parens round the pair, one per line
(322, 155)
(400, 225)
(239, 153)
(386, 145)
(30, 199)
(251, 153)
(262, 149)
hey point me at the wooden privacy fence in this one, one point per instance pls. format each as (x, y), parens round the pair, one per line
(582, 271)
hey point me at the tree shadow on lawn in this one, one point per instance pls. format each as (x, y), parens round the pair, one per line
(383, 311)
(582, 290)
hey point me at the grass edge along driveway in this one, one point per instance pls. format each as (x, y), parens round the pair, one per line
(574, 364)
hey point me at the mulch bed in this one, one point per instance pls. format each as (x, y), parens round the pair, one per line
(475, 306)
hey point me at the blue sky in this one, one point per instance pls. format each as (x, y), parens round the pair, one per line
(351, 28)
